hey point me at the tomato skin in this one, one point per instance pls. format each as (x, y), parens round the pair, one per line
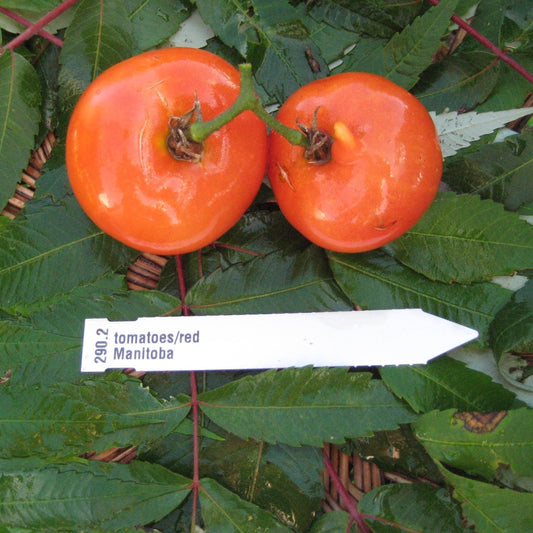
(122, 172)
(385, 167)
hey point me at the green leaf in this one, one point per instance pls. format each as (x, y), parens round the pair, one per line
(331, 41)
(333, 522)
(488, 21)
(20, 98)
(57, 239)
(301, 464)
(516, 37)
(508, 93)
(492, 509)
(53, 184)
(33, 12)
(271, 36)
(56, 269)
(257, 234)
(224, 512)
(153, 21)
(480, 443)
(279, 282)
(445, 383)
(231, 21)
(285, 67)
(512, 327)
(304, 406)
(76, 496)
(518, 23)
(465, 239)
(376, 281)
(31, 5)
(499, 171)
(398, 450)
(379, 19)
(248, 470)
(68, 419)
(20, 340)
(459, 82)
(411, 507)
(45, 348)
(527, 211)
(410, 52)
(99, 36)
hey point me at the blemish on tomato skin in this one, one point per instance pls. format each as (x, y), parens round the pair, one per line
(284, 176)
(383, 227)
(141, 144)
(162, 98)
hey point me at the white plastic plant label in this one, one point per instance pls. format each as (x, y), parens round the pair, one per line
(230, 342)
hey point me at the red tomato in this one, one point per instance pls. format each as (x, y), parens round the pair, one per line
(385, 165)
(124, 176)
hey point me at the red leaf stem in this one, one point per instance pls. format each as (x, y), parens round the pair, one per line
(498, 52)
(218, 244)
(346, 498)
(195, 486)
(37, 26)
(196, 446)
(25, 22)
(200, 264)
(181, 284)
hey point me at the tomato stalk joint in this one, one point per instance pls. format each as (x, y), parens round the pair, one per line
(247, 100)
(318, 149)
(179, 144)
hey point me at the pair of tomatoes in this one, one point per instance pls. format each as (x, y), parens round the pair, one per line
(372, 168)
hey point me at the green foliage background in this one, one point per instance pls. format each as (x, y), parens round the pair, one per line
(261, 432)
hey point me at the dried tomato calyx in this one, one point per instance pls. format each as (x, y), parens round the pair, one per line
(179, 145)
(318, 150)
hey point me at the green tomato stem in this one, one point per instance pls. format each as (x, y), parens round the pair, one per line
(247, 100)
